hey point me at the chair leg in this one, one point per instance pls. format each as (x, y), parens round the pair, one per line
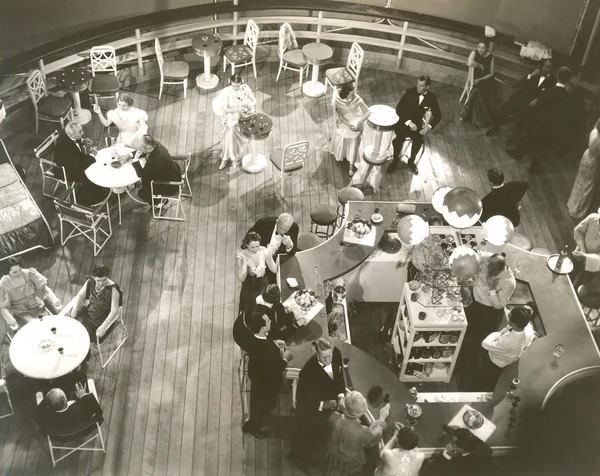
(185, 82)
(160, 88)
(279, 71)
(37, 124)
(254, 67)
(301, 76)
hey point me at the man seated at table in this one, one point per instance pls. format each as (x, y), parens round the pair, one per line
(152, 162)
(76, 153)
(58, 414)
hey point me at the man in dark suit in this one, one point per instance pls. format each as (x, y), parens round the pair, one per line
(526, 91)
(321, 381)
(76, 154)
(419, 112)
(278, 234)
(504, 198)
(159, 166)
(267, 361)
(551, 120)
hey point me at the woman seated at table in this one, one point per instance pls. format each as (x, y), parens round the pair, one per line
(130, 120)
(400, 456)
(482, 103)
(231, 104)
(20, 294)
(351, 112)
(97, 301)
(252, 262)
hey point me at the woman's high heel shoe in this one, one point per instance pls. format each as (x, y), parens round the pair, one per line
(223, 164)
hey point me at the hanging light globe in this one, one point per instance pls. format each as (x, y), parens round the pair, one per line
(412, 230)
(464, 262)
(437, 199)
(462, 207)
(498, 230)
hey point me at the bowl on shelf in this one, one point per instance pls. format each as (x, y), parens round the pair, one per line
(414, 285)
(305, 298)
(360, 227)
(473, 419)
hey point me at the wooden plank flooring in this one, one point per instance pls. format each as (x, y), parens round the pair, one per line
(171, 396)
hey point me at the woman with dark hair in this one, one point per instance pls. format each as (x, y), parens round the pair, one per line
(130, 120)
(20, 294)
(400, 456)
(252, 262)
(482, 103)
(98, 301)
(351, 112)
(234, 102)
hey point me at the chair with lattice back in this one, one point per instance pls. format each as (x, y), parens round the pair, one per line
(468, 85)
(290, 56)
(47, 108)
(337, 77)
(54, 176)
(289, 160)
(244, 54)
(4, 394)
(104, 83)
(171, 72)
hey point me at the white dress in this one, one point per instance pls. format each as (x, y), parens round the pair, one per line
(386, 153)
(404, 463)
(131, 124)
(346, 142)
(232, 142)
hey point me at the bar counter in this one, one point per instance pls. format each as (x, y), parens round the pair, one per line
(537, 370)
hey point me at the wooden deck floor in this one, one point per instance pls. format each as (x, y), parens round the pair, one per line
(170, 397)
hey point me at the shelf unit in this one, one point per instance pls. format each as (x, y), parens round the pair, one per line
(415, 324)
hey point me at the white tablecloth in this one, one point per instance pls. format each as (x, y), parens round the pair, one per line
(104, 175)
(28, 357)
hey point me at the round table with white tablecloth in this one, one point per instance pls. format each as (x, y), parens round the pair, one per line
(35, 350)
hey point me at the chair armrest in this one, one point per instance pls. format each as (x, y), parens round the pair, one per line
(39, 397)
(68, 307)
(107, 323)
(92, 388)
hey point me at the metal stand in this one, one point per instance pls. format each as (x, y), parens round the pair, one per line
(386, 20)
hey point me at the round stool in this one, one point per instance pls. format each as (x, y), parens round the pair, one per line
(307, 240)
(344, 196)
(541, 251)
(323, 216)
(590, 297)
(521, 241)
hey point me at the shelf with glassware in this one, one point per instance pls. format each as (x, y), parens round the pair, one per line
(427, 338)
(336, 308)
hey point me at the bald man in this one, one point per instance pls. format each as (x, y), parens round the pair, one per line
(279, 234)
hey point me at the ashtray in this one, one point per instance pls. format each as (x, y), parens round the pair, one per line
(116, 164)
(473, 419)
(46, 345)
(376, 218)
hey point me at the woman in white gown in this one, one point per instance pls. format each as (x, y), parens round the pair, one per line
(400, 456)
(232, 103)
(130, 121)
(351, 112)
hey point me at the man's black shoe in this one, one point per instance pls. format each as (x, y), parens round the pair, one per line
(391, 168)
(259, 434)
(413, 168)
(492, 131)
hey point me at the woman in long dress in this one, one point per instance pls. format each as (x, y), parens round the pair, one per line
(252, 262)
(400, 456)
(351, 113)
(130, 121)
(482, 103)
(585, 194)
(232, 103)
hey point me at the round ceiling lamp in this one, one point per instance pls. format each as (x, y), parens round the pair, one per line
(462, 207)
(464, 262)
(498, 230)
(437, 199)
(412, 229)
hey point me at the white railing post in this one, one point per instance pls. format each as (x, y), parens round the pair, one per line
(215, 18)
(235, 19)
(402, 42)
(41, 67)
(319, 26)
(138, 47)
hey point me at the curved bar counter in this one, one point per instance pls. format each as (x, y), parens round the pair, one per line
(537, 370)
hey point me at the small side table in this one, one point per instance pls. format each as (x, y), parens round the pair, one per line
(382, 119)
(207, 45)
(75, 80)
(315, 54)
(255, 128)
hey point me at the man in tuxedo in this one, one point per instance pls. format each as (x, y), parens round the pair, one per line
(267, 361)
(504, 198)
(551, 120)
(419, 112)
(152, 162)
(279, 234)
(526, 91)
(321, 381)
(76, 154)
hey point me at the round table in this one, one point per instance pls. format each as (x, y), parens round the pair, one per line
(315, 54)
(255, 128)
(103, 174)
(34, 350)
(382, 119)
(207, 45)
(75, 80)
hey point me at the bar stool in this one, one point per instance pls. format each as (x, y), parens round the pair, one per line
(323, 216)
(345, 195)
(521, 241)
(589, 297)
(542, 251)
(307, 240)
